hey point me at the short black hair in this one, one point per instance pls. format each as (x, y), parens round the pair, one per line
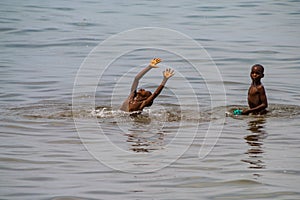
(259, 65)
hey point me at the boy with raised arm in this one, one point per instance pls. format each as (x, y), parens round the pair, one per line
(257, 99)
(138, 100)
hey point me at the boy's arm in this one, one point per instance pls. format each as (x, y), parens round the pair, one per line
(262, 106)
(152, 64)
(168, 73)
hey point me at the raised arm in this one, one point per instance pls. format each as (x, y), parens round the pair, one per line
(137, 78)
(168, 73)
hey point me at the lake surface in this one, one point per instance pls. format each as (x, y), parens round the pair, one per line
(66, 67)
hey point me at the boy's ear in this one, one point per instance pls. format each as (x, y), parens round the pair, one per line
(262, 75)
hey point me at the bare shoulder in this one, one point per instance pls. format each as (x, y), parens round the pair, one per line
(261, 89)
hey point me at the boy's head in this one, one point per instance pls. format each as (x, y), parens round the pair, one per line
(259, 66)
(143, 94)
(257, 72)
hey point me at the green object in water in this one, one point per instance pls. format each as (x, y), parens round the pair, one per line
(237, 112)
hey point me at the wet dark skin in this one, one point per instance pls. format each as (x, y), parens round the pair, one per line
(138, 100)
(257, 99)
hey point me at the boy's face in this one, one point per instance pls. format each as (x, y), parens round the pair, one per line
(256, 73)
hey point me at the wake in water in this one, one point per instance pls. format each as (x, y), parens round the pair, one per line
(274, 111)
(144, 132)
(166, 113)
(169, 113)
(174, 113)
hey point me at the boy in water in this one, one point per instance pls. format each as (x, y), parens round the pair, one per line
(257, 99)
(138, 100)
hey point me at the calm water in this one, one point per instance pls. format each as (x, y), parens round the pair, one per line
(44, 156)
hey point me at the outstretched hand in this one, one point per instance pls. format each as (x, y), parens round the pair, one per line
(168, 73)
(154, 62)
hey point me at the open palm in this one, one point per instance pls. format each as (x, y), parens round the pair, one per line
(154, 62)
(168, 73)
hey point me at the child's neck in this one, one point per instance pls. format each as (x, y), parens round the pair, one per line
(256, 83)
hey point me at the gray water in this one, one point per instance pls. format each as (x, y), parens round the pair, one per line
(45, 156)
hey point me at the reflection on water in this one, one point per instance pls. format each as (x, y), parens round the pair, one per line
(255, 142)
(142, 143)
(145, 134)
